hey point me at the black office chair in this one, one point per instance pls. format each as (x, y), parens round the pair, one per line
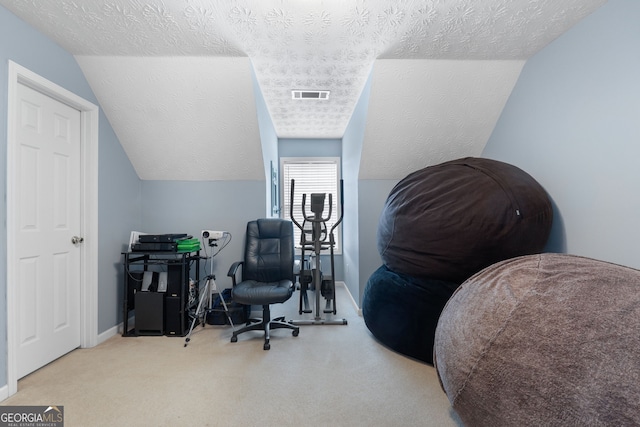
(267, 274)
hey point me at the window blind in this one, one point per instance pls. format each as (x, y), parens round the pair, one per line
(311, 176)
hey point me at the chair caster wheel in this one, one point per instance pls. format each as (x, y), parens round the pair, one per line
(266, 346)
(295, 332)
(234, 339)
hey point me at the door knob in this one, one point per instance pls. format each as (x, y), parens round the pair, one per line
(76, 239)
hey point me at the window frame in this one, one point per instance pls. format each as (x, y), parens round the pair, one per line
(286, 195)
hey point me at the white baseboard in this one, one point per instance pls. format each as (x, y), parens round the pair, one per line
(116, 330)
(4, 392)
(112, 332)
(353, 301)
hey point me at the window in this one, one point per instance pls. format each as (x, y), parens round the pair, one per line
(311, 175)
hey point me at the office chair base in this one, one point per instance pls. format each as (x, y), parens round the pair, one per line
(265, 325)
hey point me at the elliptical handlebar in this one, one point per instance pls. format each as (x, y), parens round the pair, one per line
(330, 209)
(291, 205)
(341, 207)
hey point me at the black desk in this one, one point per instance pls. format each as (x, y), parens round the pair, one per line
(162, 313)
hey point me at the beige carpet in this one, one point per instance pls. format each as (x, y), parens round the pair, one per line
(328, 375)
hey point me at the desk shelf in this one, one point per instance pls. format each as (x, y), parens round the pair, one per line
(159, 312)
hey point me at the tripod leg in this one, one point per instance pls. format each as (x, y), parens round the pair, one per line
(203, 297)
(226, 311)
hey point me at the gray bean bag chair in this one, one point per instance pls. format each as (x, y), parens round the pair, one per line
(543, 340)
(451, 220)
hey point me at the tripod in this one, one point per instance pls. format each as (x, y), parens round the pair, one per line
(205, 305)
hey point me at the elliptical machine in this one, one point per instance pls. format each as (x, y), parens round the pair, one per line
(311, 277)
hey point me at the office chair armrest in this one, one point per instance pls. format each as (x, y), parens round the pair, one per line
(233, 270)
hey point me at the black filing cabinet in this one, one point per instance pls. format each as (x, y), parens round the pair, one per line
(157, 289)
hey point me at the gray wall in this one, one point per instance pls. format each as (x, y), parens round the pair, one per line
(269, 142)
(119, 187)
(192, 206)
(573, 123)
(119, 213)
(359, 250)
(372, 194)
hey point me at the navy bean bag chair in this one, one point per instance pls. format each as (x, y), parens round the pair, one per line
(402, 311)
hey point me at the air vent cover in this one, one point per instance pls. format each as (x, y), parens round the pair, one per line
(310, 94)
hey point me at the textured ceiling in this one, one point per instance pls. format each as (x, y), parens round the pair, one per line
(133, 50)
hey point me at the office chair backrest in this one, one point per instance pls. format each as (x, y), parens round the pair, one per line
(269, 250)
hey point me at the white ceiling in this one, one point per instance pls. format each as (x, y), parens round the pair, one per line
(175, 77)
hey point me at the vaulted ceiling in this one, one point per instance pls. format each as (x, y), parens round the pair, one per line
(176, 78)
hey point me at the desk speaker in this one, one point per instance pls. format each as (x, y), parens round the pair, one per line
(149, 313)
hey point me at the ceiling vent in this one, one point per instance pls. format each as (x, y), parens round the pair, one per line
(310, 94)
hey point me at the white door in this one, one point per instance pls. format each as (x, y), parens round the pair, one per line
(48, 209)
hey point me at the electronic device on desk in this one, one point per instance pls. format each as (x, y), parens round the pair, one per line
(162, 238)
(176, 242)
(154, 247)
